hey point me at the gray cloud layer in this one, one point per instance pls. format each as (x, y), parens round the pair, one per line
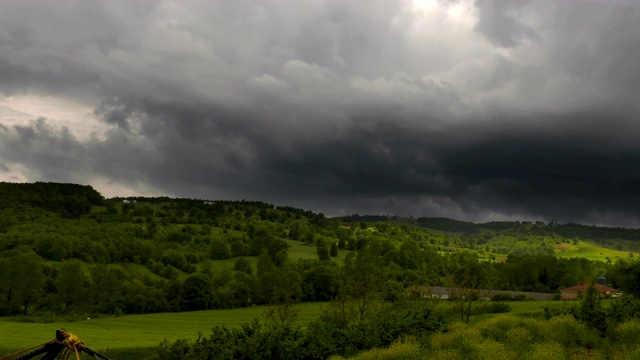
(476, 111)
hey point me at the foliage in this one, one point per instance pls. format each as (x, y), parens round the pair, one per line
(244, 265)
(23, 281)
(511, 337)
(163, 254)
(626, 275)
(468, 285)
(197, 292)
(408, 350)
(318, 340)
(68, 200)
(219, 250)
(591, 312)
(570, 309)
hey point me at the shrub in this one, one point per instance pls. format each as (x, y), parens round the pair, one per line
(490, 350)
(517, 333)
(497, 328)
(560, 310)
(512, 337)
(546, 350)
(244, 265)
(219, 250)
(570, 333)
(623, 309)
(468, 342)
(502, 297)
(626, 334)
(444, 354)
(398, 351)
(492, 308)
(519, 337)
(460, 337)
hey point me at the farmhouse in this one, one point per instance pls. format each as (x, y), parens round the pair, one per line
(573, 293)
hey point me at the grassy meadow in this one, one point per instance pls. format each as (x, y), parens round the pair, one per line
(529, 308)
(591, 251)
(136, 333)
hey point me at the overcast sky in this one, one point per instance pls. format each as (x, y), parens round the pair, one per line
(485, 110)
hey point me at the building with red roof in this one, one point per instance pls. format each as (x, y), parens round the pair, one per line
(573, 292)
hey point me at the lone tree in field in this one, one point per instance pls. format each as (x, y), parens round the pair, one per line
(197, 292)
(591, 310)
(468, 285)
(363, 283)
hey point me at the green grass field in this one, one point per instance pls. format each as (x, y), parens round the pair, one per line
(137, 331)
(591, 251)
(300, 250)
(530, 308)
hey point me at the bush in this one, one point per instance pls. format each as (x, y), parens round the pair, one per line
(522, 297)
(219, 250)
(319, 340)
(626, 334)
(560, 310)
(519, 337)
(408, 350)
(547, 350)
(250, 341)
(492, 308)
(500, 328)
(570, 333)
(459, 337)
(501, 297)
(468, 342)
(623, 309)
(244, 265)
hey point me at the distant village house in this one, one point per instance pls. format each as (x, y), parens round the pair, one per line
(574, 292)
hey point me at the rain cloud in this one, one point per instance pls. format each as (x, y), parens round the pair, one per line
(523, 110)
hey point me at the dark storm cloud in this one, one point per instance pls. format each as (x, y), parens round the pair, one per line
(53, 153)
(340, 106)
(114, 112)
(560, 174)
(565, 177)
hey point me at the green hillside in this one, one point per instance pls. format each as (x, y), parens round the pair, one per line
(147, 269)
(64, 249)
